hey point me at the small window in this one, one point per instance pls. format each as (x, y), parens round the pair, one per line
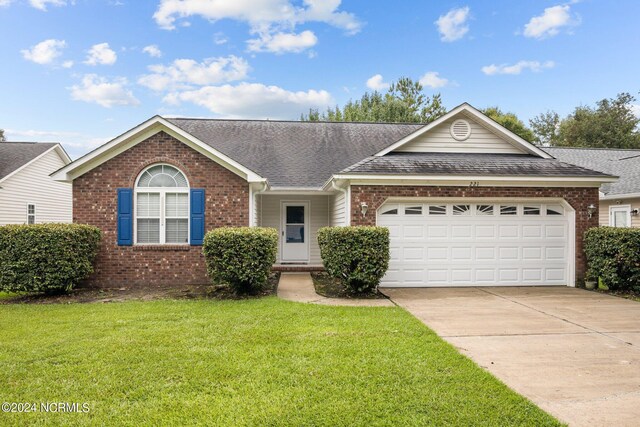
(531, 210)
(462, 209)
(413, 210)
(508, 210)
(555, 210)
(437, 210)
(31, 213)
(484, 209)
(393, 211)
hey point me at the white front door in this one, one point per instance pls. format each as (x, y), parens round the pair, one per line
(481, 243)
(294, 233)
(620, 216)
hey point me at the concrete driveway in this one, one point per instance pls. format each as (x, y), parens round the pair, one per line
(575, 353)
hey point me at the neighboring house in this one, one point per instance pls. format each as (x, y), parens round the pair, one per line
(620, 200)
(467, 201)
(28, 194)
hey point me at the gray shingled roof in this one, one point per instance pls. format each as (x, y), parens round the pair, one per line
(468, 164)
(14, 155)
(622, 163)
(295, 154)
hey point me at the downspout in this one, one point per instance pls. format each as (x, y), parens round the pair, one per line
(254, 196)
(347, 202)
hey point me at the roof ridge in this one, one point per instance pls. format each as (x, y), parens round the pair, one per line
(293, 121)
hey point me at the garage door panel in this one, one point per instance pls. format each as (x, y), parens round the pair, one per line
(509, 231)
(461, 254)
(476, 248)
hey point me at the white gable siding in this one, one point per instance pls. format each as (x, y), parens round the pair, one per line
(439, 140)
(318, 217)
(338, 210)
(33, 184)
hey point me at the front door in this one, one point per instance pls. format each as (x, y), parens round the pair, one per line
(295, 232)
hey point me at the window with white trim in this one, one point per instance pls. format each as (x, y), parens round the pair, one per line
(162, 206)
(31, 213)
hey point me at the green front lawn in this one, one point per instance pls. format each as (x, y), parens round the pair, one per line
(252, 362)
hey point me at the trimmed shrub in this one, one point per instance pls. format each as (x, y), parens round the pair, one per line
(240, 256)
(613, 254)
(49, 258)
(357, 255)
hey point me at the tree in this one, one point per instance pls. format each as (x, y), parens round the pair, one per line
(509, 121)
(404, 102)
(546, 128)
(611, 124)
(2, 138)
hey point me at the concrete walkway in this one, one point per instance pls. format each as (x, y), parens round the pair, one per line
(299, 287)
(575, 353)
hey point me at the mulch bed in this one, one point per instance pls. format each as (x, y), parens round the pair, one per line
(330, 287)
(145, 293)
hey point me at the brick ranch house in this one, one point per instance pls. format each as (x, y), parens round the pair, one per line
(467, 201)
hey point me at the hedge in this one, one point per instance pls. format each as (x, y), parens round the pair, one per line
(613, 254)
(241, 257)
(357, 255)
(47, 258)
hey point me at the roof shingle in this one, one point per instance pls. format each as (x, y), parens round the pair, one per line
(14, 155)
(295, 154)
(622, 163)
(468, 164)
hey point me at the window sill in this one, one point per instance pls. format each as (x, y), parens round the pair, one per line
(161, 247)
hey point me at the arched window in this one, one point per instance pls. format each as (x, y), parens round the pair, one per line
(162, 206)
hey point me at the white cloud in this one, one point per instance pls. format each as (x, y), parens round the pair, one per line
(103, 91)
(273, 21)
(5, 3)
(257, 13)
(73, 140)
(635, 109)
(453, 26)
(253, 100)
(44, 52)
(219, 38)
(283, 42)
(433, 80)
(67, 64)
(550, 22)
(377, 83)
(42, 4)
(153, 51)
(517, 68)
(101, 54)
(183, 73)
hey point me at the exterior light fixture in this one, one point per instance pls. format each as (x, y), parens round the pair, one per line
(364, 208)
(591, 209)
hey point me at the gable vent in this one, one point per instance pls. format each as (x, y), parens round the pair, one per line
(460, 130)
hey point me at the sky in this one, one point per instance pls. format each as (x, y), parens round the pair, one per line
(82, 72)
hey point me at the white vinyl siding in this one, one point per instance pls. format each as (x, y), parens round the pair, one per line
(338, 209)
(605, 205)
(270, 211)
(257, 205)
(439, 140)
(33, 185)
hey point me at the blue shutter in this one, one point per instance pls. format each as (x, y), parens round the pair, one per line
(197, 216)
(125, 216)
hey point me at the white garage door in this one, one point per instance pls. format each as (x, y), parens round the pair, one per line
(476, 244)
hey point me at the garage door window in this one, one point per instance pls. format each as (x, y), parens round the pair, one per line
(461, 209)
(508, 210)
(484, 210)
(555, 210)
(438, 210)
(531, 210)
(413, 210)
(393, 211)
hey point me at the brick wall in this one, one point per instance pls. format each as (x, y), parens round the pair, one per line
(95, 203)
(579, 198)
